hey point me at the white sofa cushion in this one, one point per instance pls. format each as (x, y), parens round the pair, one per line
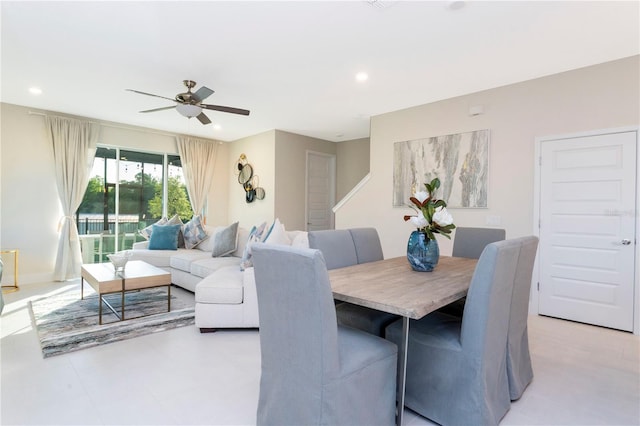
(183, 259)
(159, 258)
(225, 286)
(208, 265)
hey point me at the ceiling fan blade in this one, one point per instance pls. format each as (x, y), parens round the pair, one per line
(201, 94)
(149, 94)
(159, 109)
(203, 118)
(226, 109)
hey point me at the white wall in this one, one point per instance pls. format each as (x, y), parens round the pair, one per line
(30, 209)
(30, 206)
(260, 152)
(596, 97)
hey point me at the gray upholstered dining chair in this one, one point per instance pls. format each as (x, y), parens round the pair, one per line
(519, 368)
(315, 372)
(469, 242)
(1, 297)
(367, 244)
(456, 367)
(338, 247)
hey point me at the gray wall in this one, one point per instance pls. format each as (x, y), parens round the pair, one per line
(352, 165)
(291, 157)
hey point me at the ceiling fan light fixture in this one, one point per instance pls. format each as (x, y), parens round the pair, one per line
(189, 110)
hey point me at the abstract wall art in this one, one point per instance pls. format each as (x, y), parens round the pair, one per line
(461, 161)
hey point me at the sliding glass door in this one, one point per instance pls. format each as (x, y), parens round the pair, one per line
(127, 191)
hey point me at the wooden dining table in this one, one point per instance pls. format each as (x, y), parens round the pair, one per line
(391, 285)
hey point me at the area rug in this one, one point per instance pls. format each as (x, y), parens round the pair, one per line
(65, 323)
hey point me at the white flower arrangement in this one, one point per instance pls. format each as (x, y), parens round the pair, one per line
(432, 215)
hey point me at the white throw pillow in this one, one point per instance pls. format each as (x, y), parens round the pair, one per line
(207, 244)
(301, 240)
(146, 232)
(278, 235)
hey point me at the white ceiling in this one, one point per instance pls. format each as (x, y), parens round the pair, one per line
(293, 64)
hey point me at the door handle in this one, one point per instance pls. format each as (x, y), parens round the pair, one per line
(626, 242)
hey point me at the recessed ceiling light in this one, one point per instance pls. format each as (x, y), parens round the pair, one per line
(217, 127)
(35, 90)
(362, 76)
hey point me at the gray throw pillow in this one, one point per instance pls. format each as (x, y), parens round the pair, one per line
(225, 241)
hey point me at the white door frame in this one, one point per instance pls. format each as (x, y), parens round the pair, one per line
(533, 301)
(332, 194)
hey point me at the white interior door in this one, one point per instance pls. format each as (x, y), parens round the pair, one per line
(320, 190)
(587, 229)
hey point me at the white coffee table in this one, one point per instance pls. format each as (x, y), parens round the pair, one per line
(138, 275)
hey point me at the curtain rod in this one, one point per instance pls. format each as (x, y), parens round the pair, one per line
(125, 127)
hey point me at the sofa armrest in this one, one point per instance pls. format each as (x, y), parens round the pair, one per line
(250, 297)
(141, 245)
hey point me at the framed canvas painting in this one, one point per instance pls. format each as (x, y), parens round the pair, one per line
(461, 161)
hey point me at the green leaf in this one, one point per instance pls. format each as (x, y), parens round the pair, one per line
(435, 183)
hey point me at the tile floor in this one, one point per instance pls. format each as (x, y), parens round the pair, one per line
(584, 375)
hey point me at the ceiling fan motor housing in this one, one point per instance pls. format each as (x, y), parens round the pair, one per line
(190, 104)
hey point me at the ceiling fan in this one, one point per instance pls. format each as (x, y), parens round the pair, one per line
(190, 104)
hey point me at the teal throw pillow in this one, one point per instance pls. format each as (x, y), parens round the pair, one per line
(175, 220)
(164, 237)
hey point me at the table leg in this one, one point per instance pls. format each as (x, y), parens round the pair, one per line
(169, 298)
(402, 369)
(123, 287)
(81, 288)
(100, 309)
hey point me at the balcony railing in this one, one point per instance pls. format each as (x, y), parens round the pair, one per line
(98, 239)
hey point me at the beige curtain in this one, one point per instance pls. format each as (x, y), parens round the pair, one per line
(74, 148)
(198, 159)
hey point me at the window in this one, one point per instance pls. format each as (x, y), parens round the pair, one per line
(126, 192)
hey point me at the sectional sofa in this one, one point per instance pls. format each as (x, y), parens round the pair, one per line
(224, 286)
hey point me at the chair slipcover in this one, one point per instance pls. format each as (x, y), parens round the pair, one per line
(315, 372)
(336, 246)
(456, 367)
(366, 244)
(1, 297)
(519, 369)
(469, 242)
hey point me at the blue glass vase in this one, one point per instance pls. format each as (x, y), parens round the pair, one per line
(423, 254)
